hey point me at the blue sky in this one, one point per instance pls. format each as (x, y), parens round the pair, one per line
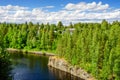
(56, 3)
(59, 10)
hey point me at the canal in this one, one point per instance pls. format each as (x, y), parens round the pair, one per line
(34, 67)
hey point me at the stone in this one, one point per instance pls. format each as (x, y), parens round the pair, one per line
(63, 65)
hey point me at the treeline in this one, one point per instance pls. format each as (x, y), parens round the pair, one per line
(31, 36)
(93, 46)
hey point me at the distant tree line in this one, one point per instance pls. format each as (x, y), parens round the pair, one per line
(94, 47)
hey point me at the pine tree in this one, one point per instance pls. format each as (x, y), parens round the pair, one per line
(59, 25)
(104, 25)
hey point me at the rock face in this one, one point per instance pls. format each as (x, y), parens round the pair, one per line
(63, 65)
(61, 75)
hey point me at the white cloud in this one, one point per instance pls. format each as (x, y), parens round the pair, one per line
(82, 6)
(10, 7)
(84, 12)
(49, 7)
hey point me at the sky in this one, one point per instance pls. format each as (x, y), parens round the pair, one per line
(52, 11)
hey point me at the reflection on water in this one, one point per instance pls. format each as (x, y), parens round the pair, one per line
(31, 67)
(61, 75)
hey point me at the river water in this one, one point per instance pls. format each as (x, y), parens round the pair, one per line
(34, 67)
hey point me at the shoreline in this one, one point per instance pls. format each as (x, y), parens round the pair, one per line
(58, 63)
(30, 52)
(63, 65)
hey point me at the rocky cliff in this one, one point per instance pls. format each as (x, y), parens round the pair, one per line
(63, 65)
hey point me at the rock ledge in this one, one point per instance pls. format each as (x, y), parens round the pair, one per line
(63, 65)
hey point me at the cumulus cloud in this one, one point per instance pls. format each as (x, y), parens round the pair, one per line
(10, 7)
(80, 12)
(82, 6)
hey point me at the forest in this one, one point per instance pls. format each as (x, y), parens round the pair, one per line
(94, 47)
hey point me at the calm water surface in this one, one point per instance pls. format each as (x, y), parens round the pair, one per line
(32, 67)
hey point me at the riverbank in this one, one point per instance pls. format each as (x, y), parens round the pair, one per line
(58, 63)
(30, 52)
(63, 65)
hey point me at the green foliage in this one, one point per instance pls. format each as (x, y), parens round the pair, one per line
(4, 61)
(92, 46)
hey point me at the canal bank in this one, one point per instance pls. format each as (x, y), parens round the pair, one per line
(35, 67)
(30, 52)
(63, 65)
(58, 63)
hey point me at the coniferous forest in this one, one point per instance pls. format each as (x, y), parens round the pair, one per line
(94, 47)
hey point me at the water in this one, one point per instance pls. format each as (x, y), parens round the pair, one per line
(32, 67)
